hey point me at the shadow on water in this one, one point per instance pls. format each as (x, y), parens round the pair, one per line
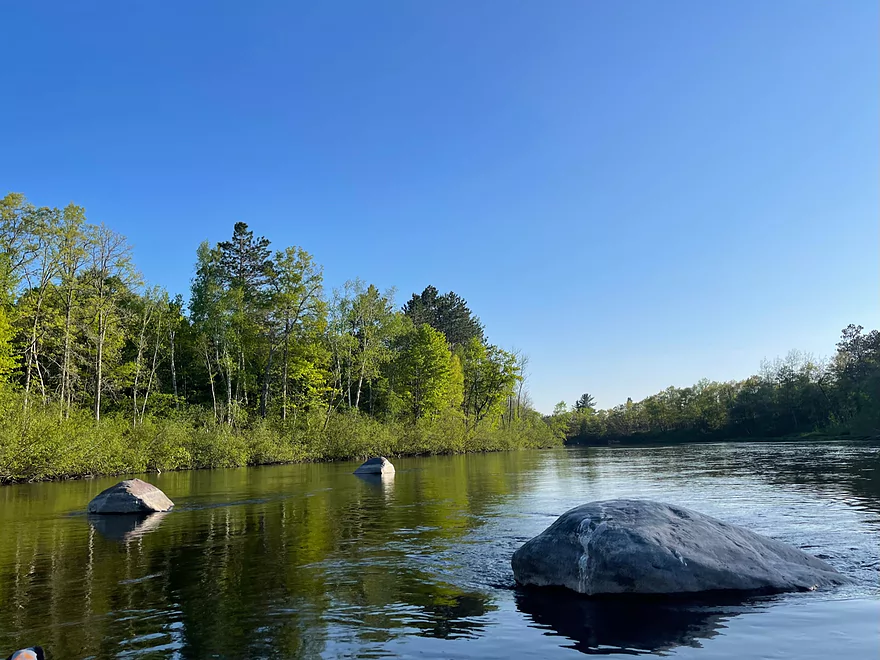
(125, 527)
(628, 625)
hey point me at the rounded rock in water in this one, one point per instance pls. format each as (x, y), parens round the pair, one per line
(643, 547)
(378, 465)
(130, 496)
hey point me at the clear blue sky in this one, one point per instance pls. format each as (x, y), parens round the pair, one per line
(636, 193)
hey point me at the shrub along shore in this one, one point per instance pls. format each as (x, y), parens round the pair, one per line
(44, 446)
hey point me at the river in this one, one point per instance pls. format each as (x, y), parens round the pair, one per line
(306, 561)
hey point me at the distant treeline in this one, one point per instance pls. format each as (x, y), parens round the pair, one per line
(101, 373)
(792, 396)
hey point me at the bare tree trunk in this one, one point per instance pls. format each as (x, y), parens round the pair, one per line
(39, 370)
(228, 363)
(229, 371)
(264, 394)
(171, 335)
(65, 368)
(33, 358)
(152, 369)
(327, 417)
(284, 370)
(99, 372)
(31, 351)
(211, 380)
(242, 375)
(348, 375)
(138, 361)
(357, 401)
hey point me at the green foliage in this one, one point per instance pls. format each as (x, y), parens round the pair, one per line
(586, 401)
(448, 313)
(560, 421)
(363, 327)
(490, 376)
(7, 356)
(244, 261)
(794, 395)
(298, 322)
(100, 374)
(103, 374)
(43, 444)
(423, 373)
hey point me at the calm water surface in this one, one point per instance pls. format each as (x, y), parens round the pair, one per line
(310, 561)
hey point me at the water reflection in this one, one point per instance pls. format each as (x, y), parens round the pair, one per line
(454, 616)
(849, 470)
(308, 560)
(627, 625)
(126, 526)
(381, 482)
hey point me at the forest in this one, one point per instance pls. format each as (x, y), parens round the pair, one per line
(794, 396)
(102, 373)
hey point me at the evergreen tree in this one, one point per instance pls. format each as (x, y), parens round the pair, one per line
(585, 402)
(245, 261)
(447, 313)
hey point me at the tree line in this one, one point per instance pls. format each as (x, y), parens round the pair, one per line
(259, 341)
(791, 396)
(102, 373)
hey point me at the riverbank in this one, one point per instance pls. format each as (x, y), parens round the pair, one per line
(43, 446)
(673, 439)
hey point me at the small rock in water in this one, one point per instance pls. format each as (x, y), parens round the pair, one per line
(130, 496)
(643, 547)
(378, 465)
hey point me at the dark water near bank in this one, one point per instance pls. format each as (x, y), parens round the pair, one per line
(310, 561)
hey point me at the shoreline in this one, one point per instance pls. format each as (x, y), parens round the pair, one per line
(318, 461)
(791, 439)
(117, 448)
(805, 437)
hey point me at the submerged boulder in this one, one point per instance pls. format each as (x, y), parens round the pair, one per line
(378, 465)
(130, 496)
(643, 547)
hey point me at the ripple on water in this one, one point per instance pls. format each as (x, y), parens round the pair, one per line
(308, 561)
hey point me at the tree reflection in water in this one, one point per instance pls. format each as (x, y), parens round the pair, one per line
(308, 560)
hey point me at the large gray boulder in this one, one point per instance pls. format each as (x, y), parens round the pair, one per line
(130, 496)
(643, 547)
(378, 465)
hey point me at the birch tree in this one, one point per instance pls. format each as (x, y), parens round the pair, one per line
(109, 275)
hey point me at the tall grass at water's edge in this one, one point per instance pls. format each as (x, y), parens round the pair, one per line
(42, 444)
